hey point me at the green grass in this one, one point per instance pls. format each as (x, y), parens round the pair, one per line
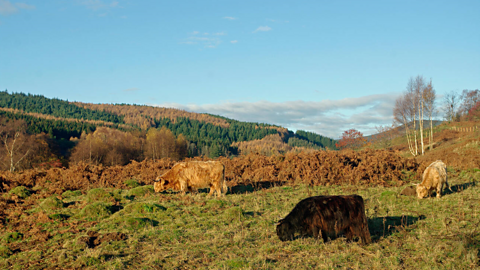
(173, 231)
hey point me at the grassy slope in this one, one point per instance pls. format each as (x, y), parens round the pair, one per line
(170, 231)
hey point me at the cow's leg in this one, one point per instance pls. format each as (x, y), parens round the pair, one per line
(324, 236)
(448, 185)
(218, 189)
(439, 190)
(183, 188)
(350, 233)
(316, 231)
(212, 189)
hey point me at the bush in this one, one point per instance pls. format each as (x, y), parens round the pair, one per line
(131, 183)
(20, 191)
(71, 193)
(100, 195)
(5, 252)
(12, 237)
(133, 223)
(143, 208)
(96, 211)
(140, 191)
(51, 203)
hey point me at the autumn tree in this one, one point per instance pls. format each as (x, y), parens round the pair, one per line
(352, 139)
(161, 143)
(469, 99)
(20, 150)
(108, 147)
(14, 140)
(474, 112)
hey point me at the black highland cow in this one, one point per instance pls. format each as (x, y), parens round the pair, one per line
(327, 216)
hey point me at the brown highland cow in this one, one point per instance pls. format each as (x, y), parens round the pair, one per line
(434, 177)
(327, 216)
(192, 175)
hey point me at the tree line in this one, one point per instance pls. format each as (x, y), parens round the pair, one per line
(100, 141)
(54, 107)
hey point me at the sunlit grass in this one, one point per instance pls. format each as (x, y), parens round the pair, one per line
(169, 231)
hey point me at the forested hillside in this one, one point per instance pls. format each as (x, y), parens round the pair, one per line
(71, 127)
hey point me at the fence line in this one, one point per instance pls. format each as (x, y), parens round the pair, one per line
(465, 129)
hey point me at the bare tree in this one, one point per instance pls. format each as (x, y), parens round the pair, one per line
(429, 97)
(450, 101)
(402, 115)
(410, 109)
(13, 138)
(385, 135)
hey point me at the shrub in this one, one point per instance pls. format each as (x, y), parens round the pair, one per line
(100, 195)
(5, 252)
(12, 237)
(140, 191)
(71, 193)
(96, 211)
(51, 203)
(131, 183)
(20, 191)
(143, 208)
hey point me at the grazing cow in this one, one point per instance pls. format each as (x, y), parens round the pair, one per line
(434, 177)
(191, 175)
(326, 216)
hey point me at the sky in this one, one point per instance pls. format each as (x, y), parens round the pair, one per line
(319, 66)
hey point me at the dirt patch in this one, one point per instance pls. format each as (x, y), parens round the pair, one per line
(409, 191)
(94, 239)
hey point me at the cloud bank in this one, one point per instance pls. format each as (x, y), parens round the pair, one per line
(7, 8)
(328, 117)
(262, 29)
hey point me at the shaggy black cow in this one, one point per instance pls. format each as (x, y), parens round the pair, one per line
(328, 216)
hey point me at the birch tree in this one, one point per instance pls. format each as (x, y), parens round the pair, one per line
(410, 109)
(429, 96)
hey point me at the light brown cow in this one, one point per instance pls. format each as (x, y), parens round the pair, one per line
(191, 175)
(434, 177)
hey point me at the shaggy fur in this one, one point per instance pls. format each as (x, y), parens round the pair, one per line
(326, 216)
(191, 175)
(434, 177)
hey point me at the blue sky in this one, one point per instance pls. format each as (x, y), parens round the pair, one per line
(321, 66)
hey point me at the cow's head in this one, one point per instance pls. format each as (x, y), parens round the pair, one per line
(160, 184)
(285, 230)
(422, 191)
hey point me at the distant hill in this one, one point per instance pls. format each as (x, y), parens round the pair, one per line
(63, 119)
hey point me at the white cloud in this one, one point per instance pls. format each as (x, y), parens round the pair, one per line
(328, 117)
(234, 41)
(262, 29)
(134, 89)
(7, 8)
(24, 6)
(98, 4)
(229, 18)
(206, 39)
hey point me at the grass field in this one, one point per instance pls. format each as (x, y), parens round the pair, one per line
(138, 229)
